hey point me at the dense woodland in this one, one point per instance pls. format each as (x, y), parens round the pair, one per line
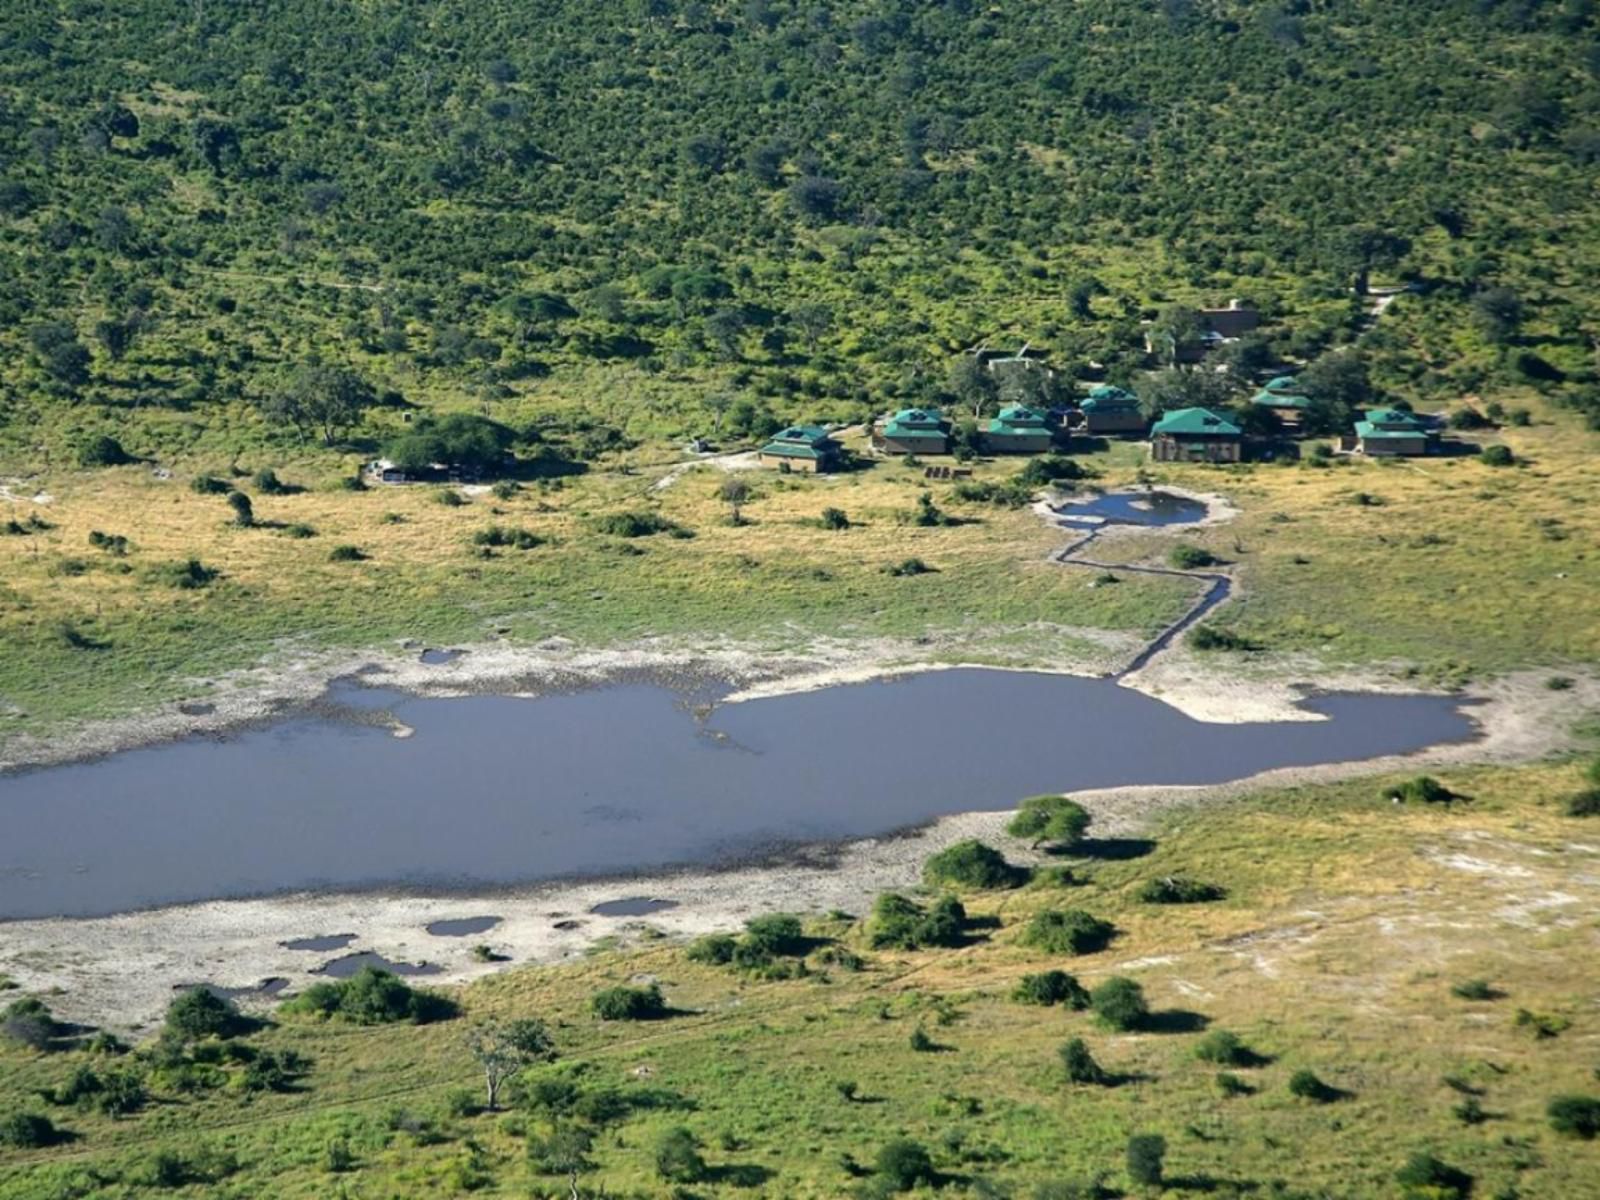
(650, 217)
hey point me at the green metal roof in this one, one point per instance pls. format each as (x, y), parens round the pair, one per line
(1268, 398)
(1370, 432)
(1284, 383)
(1393, 418)
(910, 424)
(810, 435)
(1018, 420)
(801, 441)
(1195, 422)
(1106, 398)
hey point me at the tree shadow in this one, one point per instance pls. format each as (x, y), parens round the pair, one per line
(1109, 849)
(1175, 1020)
(739, 1175)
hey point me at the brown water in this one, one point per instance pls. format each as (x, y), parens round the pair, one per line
(494, 790)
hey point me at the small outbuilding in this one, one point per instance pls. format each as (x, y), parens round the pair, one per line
(1196, 435)
(1018, 429)
(1111, 409)
(1392, 433)
(1285, 399)
(806, 448)
(913, 431)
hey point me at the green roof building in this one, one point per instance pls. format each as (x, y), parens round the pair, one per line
(1110, 409)
(1018, 429)
(1392, 433)
(805, 448)
(913, 431)
(1195, 435)
(1284, 397)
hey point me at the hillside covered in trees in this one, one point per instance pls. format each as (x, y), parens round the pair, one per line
(659, 216)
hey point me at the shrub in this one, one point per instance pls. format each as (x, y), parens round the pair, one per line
(1189, 557)
(208, 485)
(921, 1042)
(715, 949)
(347, 553)
(971, 864)
(201, 1013)
(1067, 931)
(1147, 1154)
(1469, 1111)
(187, 576)
(1543, 1026)
(1119, 1002)
(1052, 468)
(623, 1003)
(903, 1165)
(1584, 804)
(678, 1157)
(371, 997)
(906, 567)
(928, 514)
(450, 498)
(1474, 989)
(1424, 1177)
(27, 1131)
(103, 451)
(776, 933)
(497, 535)
(1209, 637)
(1079, 1064)
(1305, 1084)
(1497, 456)
(299, 530)
(114, 544)
(834, 518)
(633, 524)
(902, 923)
(1424, 789)
(1230, 1084)
(1049, 988)
(268, 484)
(1054, 819)
(506, 489)
(1575, 1116)
(1223, 1048)
(1174, 889)
(29, 1022)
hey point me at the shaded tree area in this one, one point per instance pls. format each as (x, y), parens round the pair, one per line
(190, 208)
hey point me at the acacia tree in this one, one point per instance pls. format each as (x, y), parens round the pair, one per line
(317, 396)
(503, 1049)
(1054, 819)
(972, 384)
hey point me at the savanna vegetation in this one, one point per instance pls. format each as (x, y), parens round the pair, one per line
(1397, 999)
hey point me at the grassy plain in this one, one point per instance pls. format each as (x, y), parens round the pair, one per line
(1439, 569)
(1335, 952)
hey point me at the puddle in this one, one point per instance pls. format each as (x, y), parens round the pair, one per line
(321, 803)
(632, 906)
(462, 926)
(1153, 509)
(343, 968)
(332, 941)
(438, 658)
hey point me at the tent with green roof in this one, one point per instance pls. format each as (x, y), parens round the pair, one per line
(1018, 429)
(801, 448)
(914, 431)
(1195, 435)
